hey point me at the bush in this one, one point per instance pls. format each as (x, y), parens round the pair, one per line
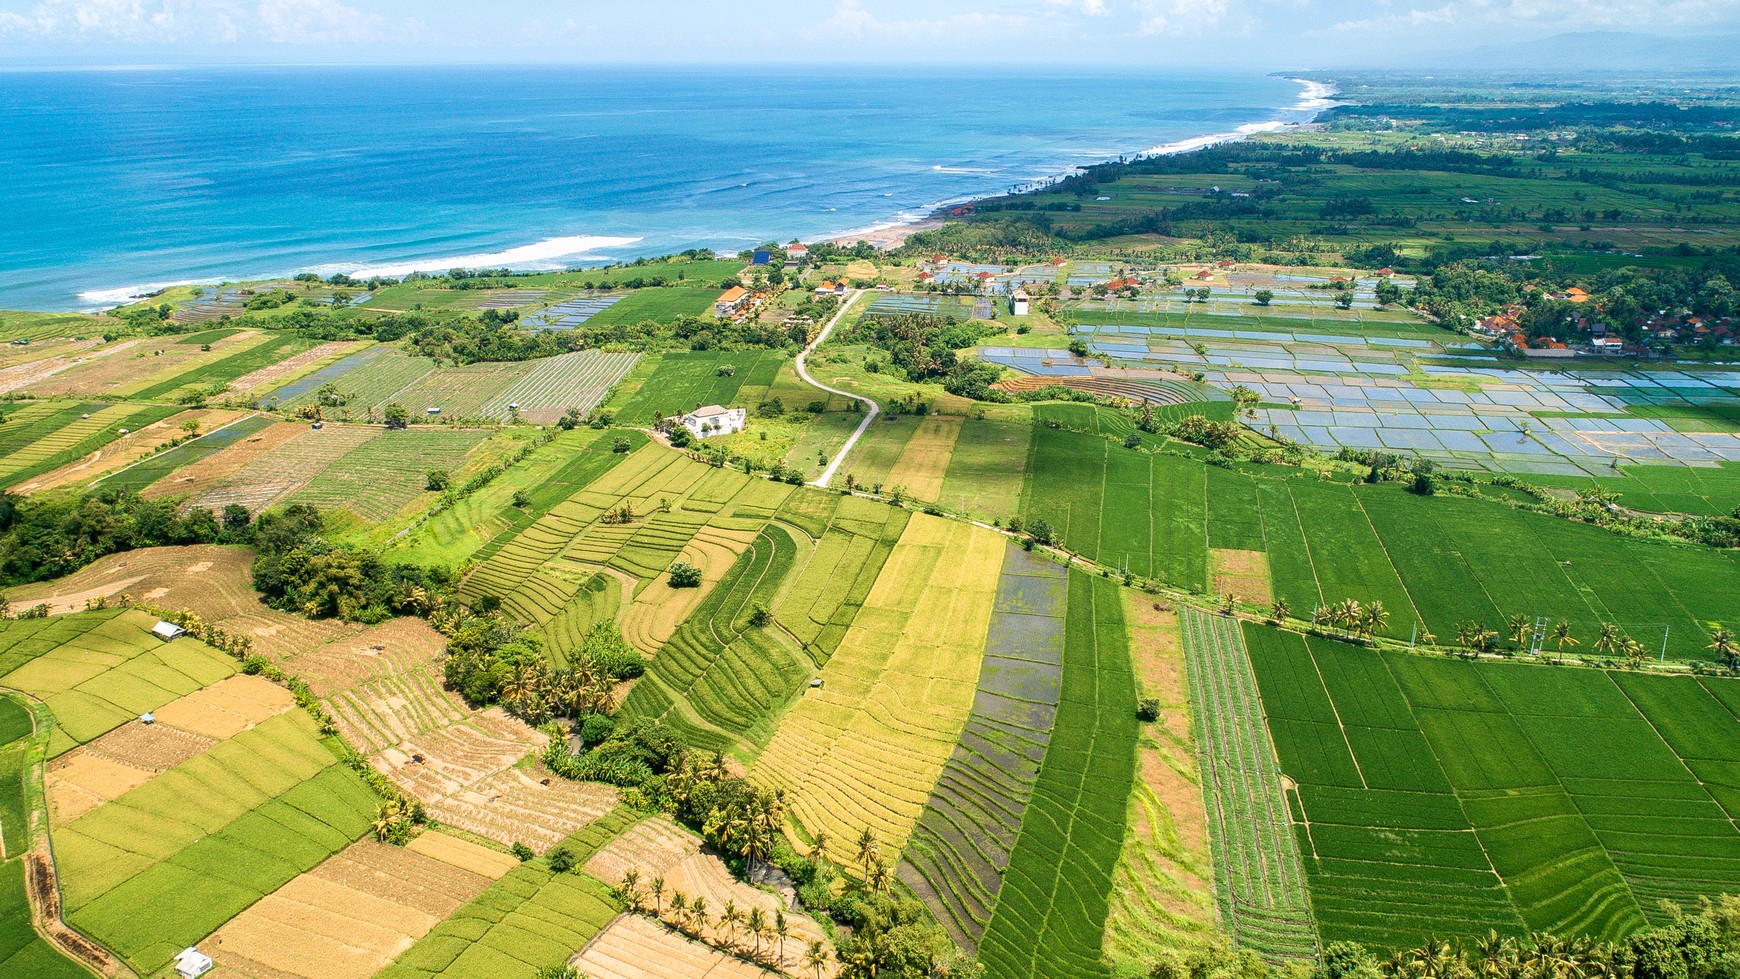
(620, 446)
(685, 575)
(438, 480)
(1148, 710)
(596, 729)
(561, 860)
(522, 499)
(522, 852)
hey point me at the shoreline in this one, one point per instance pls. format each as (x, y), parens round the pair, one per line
(1315, 97)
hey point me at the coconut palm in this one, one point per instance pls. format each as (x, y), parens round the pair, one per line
(730, 917)
(819, 849)
(880, 878)
(868, 849)
(631, 886)
(1562, 637)
(698, 914)
(679, 908)
(757, 922)
(1278, 611)
(1609, 641)
(1723, 645)
(1375, 619)
(816, 957)
(781, 931)
(1518, 629)
(658, 893)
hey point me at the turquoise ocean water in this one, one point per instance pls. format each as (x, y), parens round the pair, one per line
(123, 180)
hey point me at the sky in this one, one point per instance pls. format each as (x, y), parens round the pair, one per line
(1134, 33)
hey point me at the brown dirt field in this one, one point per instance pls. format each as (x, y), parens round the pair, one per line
(925, 459)
(154, 747)
(129, 448)
(77, 782)
(1243, 573)
(635, 947)
(347, 918)
(280, 372)
(228, 707)
(464, 854)
(651, 846)
(529, 806)
(270, 477)
(38, 370)
(660, 610)
(392, 648)
(208, 473)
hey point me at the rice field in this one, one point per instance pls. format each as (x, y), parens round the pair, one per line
(55, 439)
(383, 474)
(579, 381)
(865, 749)
(1449, 798)
(684, 381)
(148, 875)
(286, 467)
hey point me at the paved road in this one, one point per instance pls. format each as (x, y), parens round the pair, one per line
(804, 372)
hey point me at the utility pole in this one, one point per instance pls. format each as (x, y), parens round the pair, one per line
(1664, 637)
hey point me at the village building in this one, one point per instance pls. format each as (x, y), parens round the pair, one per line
(731, 302)
(715, 420)
(1205, 275)
(795, 253)
(167, 630)
(1018, 302)
(831, 288)
(191, 963)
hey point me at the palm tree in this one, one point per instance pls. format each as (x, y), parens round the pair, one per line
(757, 924)
(631, 886)
(1635, 654)
(1376, 618)
(819, 850)
(781, 931)
(1519, 629)
(698, 914)
(879, 877)
(679, 908)
(816, 957)
(868, 849)
(658, 892)
(1278, 611)
(1562, 637)
(1609, 641)
(1722, 644)
(729, 919)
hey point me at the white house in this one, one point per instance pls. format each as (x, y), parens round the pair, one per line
(1018, 302)
(192, 963)
(715, 420)
(730, 302)
(167, 630)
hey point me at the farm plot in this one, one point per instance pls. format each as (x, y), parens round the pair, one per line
(120, 368)
(39, 363)
(528, 920)
(460, 391)
(662, 305)
(76, 436)
(658, 847)
(24, 953)
(1259, 877)
(249, 354)
(285, 468)
(961, 845)
(925, 460)
(721, 679)
(364, 379)
(1050, 918)
(148, 875)
(347, 918)
(109, 456)
(579, 381)
(1390, 855)
(148, 471)
(636, 947)
(853, 538)
(131, 755)
(274, 374)
(385, 473)
(116, 670)
(865, 749)
(987, 466)
(684, 381)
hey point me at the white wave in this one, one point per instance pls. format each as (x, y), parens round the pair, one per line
(109, 298)
(971, 171)
(551, 253)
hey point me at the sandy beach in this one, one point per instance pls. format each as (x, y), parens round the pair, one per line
(892, 236)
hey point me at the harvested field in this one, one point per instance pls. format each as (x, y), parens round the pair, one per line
(865, 749)
(348, 918)
(961, 845)
(228, 707)
(528, 806)
(270, 477)
(208, 473)
(397, 647)
(382, 474)
(925, 460)
(134, 364)
(276, 374)
(17, 376)
(1244, 574)
(127, 449)
(464, 854)
(636, 947)
(659, 609)
(578, 380)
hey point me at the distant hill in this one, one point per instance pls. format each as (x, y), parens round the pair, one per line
(1583, 51)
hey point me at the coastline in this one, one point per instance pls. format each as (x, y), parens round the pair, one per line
(580, 251)
(1316, 98)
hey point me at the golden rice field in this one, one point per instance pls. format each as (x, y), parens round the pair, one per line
(865, 749)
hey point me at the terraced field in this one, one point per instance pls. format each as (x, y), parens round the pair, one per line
(382, 475)
(579, 380)
(852, 541)
(1050, 918)
(55, 439)
(865, 749)
(148, 471)
(962, 843)
(1259, 877)
(285, 468)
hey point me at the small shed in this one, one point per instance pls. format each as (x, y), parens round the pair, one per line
(1018, 302)
(167, 630)
(191, 963)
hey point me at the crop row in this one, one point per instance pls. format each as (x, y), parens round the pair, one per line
(1258, 871)
(578, 380)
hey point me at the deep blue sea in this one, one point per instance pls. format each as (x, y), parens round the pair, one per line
(115, 181)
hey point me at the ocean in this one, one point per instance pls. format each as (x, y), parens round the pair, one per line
(121, 181)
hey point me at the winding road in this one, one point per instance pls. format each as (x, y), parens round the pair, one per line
(804, 372)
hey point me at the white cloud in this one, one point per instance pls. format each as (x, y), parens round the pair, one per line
(851, 17)
(202, 21)
(1562, 15)
(1180, 16)
(1092, 8)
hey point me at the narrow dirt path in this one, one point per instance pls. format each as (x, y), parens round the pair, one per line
(803, 372)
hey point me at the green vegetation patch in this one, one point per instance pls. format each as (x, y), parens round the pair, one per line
(687, 380)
